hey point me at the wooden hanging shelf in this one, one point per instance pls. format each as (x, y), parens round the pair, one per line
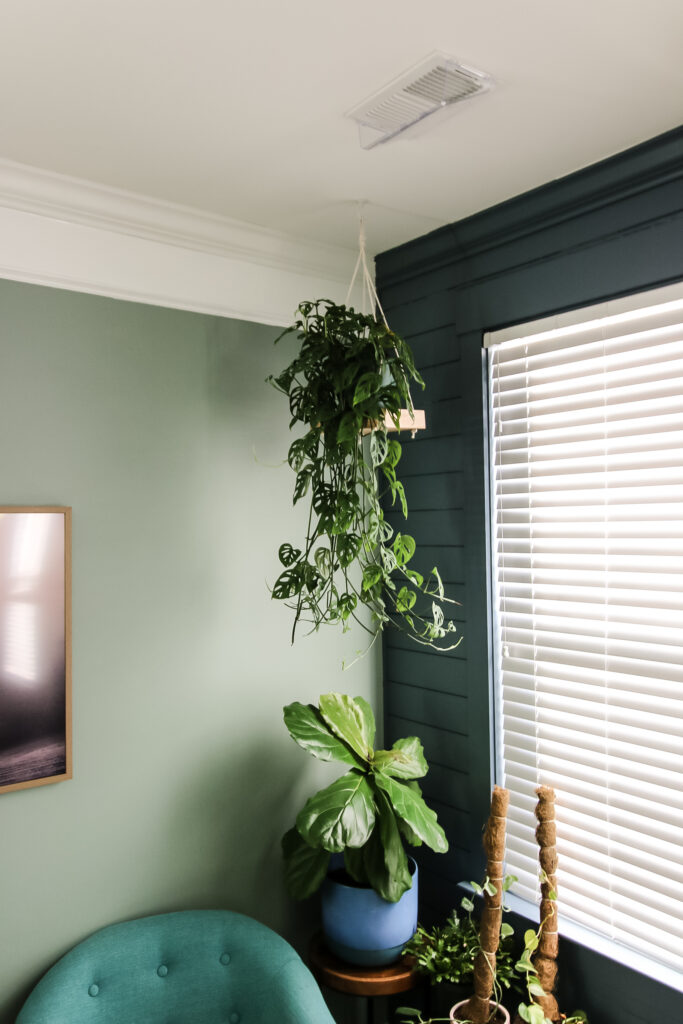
(407, 420)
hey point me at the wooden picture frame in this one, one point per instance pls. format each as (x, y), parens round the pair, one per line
(35, 646)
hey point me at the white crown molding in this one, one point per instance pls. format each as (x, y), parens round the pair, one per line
(69, 233)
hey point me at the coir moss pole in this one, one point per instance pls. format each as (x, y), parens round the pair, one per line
(545, 960)
(478, 1009)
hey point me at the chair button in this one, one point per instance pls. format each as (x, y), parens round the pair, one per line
(94, 990)
(162, 971)
(225, 959)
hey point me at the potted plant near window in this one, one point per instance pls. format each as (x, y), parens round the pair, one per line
(346, 388)
(366, 817)
(446, 954)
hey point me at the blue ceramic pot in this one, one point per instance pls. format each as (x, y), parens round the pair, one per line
(362, 928)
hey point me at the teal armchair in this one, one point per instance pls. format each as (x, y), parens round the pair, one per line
(190, 967)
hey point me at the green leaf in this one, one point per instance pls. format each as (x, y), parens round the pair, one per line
(288, 554)
(302, 483)
(349, 427)
(535, 988)
(410, 806)
(345, 511)
(438, 589)
(530, 940)
(308, 728)
(379, 447)
(372, 574)
(348, 546)
(408, 833)
(388, 559)
(399, 489)
(437, 615)
(346, 605)
(523, 1011)
(305, 867)
(405, 599)
(506, 930)
(404, 548)
(393, 452)
(340, 815)
(288, 584)
(368, 384)
(351, 719)
(536, 1014)
(383, 855)
(323, 560)
(353, 862)
(405, 760)
(284, 380)
(467, 904)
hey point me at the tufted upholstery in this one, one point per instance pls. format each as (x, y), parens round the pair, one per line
(191, 967)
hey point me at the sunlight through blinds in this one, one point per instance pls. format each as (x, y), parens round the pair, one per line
(586, 455)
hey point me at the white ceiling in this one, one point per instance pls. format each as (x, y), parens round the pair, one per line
(237, 106)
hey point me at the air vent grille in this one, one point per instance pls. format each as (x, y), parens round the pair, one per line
(435, 83)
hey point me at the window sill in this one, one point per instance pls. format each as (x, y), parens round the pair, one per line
(599, 944)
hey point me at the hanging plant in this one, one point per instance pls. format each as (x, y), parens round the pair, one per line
(349, 380)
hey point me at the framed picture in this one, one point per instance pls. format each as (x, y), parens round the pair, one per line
(35, 646)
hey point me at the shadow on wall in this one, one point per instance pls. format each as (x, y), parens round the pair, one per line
(232, 815)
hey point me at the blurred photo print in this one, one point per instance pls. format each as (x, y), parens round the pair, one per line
(35, 646)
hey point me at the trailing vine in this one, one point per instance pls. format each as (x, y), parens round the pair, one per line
(350, 371)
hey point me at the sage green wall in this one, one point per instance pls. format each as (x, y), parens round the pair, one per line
(157, 427)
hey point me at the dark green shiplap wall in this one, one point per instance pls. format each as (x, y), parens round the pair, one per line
(609, 230)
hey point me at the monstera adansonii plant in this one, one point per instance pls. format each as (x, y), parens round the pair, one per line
(350, 377)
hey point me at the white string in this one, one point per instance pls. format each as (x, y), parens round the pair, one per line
(369, 293)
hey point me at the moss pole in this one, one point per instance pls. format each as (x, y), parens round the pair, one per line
(478, 1009)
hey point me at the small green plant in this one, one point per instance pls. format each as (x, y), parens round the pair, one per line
(530, 1011)
(446, 953)
(368, 813)
(350, 373)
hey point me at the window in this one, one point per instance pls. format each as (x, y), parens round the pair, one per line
(586, 456)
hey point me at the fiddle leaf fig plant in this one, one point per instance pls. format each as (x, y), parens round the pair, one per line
(368, 813)
(349, 374)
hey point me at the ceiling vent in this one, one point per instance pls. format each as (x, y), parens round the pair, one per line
(434, 83)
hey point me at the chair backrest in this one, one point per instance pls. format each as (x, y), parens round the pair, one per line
(203, 966)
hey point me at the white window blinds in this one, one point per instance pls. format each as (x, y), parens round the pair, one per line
(586, 427)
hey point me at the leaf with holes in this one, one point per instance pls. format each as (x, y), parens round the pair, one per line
(404, 548)
(288, 584)
(348, 546)
(379, 447)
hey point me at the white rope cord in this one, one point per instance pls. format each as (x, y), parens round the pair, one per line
(369, 291)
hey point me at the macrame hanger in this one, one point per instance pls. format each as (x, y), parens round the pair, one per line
(370, 297)
(369, 294)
